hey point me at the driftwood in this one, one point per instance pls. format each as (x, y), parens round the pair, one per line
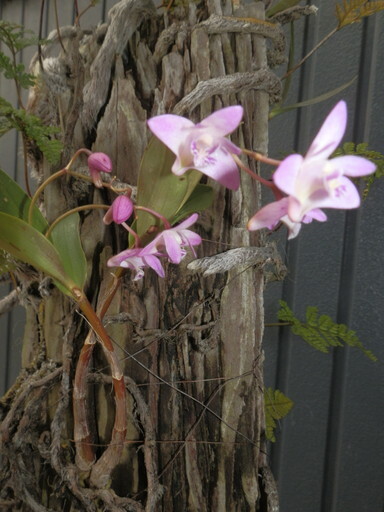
(190, 344)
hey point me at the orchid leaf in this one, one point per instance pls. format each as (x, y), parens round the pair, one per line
(200, 199)
(158, 188)
(27, 244)
(281, 6)
(276, 405)
(14, 201)
(65, 237)
(307, 103)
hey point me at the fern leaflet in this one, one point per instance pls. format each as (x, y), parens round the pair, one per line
(276, 405)
(321, 332)
(352, 11)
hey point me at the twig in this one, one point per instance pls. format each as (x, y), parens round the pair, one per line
(8, 302)
(315, 48)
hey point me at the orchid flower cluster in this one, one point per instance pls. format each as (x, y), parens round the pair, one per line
(302, 185)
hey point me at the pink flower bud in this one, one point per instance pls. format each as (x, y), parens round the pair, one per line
(97, 163)
(120, 210)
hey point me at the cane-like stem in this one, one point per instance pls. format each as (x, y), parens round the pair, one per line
(85, 456)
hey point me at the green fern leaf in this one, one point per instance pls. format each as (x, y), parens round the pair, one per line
(276, 405)
(321, 332)
(352, 11)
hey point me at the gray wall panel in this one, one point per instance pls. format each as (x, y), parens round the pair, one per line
(329, 453)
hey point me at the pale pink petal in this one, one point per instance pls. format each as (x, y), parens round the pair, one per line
(330, 134)
(223, 121)
(269, 215)
(154, 262)
(351, 165)
(189, 237)
(188, 221)
(315, 214)
(115, 261)
(171, 130)
(293, 227)
(285, 176)
(172, 242)
(344, 196)
(224, 170)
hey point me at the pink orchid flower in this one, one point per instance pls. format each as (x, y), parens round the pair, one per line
(271, 214)
(120, 210)
(173, 240)
(315, 181)
(202, 146)
(137, 260)
(97, 163)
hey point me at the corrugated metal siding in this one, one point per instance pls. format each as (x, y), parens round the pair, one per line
(329, 454)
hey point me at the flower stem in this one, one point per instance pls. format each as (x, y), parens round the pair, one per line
(165, 221)
(74, 210)
(53, 177)
(262, 158)
(315, 48)
(255, 176)
(36, 195)
(133, 233)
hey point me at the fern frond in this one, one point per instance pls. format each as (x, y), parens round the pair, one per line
(321, 332)
(352, 11)
(276, 405)
(33, 129)
(349, 148)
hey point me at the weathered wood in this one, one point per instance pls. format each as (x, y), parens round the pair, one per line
(191, 344)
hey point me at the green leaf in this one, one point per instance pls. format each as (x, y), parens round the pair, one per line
(14, 201)
(65, 237)
(276, 405)
(307, 103)
(27, 244)
(200, 199)
(352, 11)
(281, 6)
(158, 188)
(321, 332)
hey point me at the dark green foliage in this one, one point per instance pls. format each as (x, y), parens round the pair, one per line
(349, 148)
(321, 332)
(276, 405)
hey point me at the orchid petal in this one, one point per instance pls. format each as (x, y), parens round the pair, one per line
(172, 242)
(154, 262)
(188, 221)
(223, 121)
(285, 176)
(293, 227)
(351, 165)
(224, 170)
(171, 130)
(269, 215)
(330, 134)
